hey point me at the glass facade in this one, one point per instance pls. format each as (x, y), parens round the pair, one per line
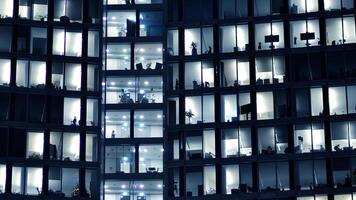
(133, 98)
(260, 99)
(178, 99)
(50, 69)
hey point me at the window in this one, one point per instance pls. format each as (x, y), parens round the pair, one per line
(66, 76)
(309, 138)
(72, 143)
(147, 189)
(128, 90)
(234, 108)
(234, 72)
(343, 136)
(198, 41)
(38, 43)
(309, 102)
(234, 38)
(230, 9)
(117, 124)
(148, 1)
(337, 101)
(148, 124)
(4, 111)
(150, 158)
(6, 8)
(199, 75)
(316, 197)
(198, 10)
(118, 2)
(332, 5)
(199, 109)
(273, 140)
(265, 108)
(345, 196)
(340, 30)
(33, 180)
(91, 180)
(93, 78)
(118, 56)
(120, 159)
(209, 180)
(31, 74)
(2, 178)
(36, 10)
(63, 180)
(236, 142)
(35, 141)
(303, 6)
(93, 43)
(5, 72)
(270, 70)
(194, 147)
(94, 10)
(311, 174)
(71, 113)
(67, 43)
(172, 42)
(274, 176)
(341, 172)
(245, 107)
(305, 33)
(71, 9)
(236, 178)
(120, 24)
(6, 35)
(92, 112)
(17, 181)
(269, 36)
(269, 7)
(199, 146)
(37, 110)
(148, 56)
(194, 182)
(307, 66)
(151, 24)
(91, 147)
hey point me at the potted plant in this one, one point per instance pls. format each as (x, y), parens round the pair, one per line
(190, 115)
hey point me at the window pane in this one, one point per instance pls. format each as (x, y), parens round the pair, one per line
(33, 181)
(71, 114)
(148, 124)
(17, 181)
(337, 100)
(5, 69)
(265, 105)
(35, 143)
(118, 57)
(121, 24)
(5, 35)
(73, 44)
(148, 56)
(117, 124)
(151, 24)
(151, 158)
(72, 142)
(6, 8)
(93, 44)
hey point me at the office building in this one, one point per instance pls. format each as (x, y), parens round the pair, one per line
(50, 72)
(178, 99)
(260, 99)
(133, 100)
